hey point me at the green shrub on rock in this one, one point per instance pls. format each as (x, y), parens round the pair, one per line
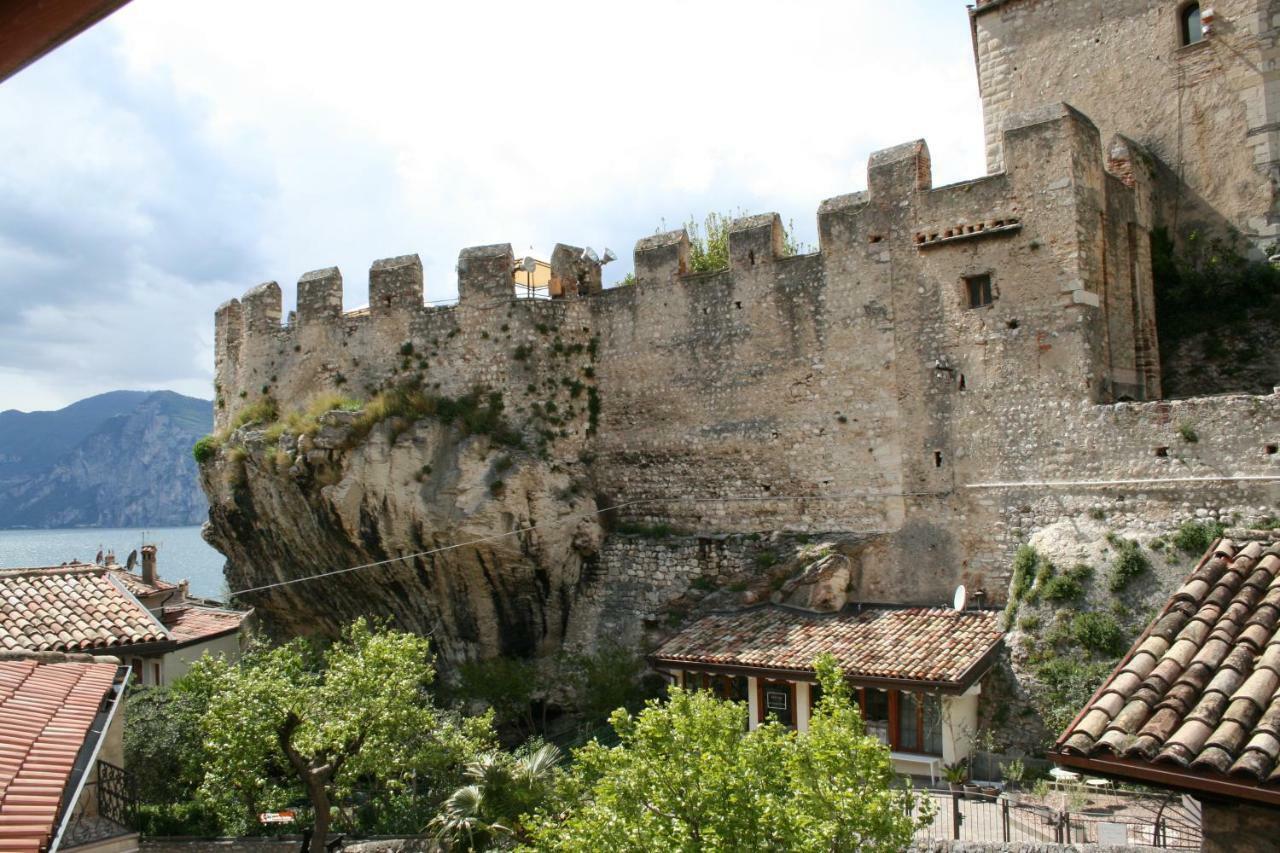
(1194, 537)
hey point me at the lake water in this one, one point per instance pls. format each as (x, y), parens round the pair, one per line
(180, 552)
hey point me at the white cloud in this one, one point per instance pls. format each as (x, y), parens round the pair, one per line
(326, 132)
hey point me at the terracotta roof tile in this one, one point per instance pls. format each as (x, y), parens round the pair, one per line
(937, 645)
(191, 623)
(1201, 689)
(136, 585)
(71, 608)
(46, 710)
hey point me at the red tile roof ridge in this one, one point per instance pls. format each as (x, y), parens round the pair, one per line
(68, 569)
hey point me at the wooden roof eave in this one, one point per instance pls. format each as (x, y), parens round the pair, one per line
(30, 29)
(950, 688)
(1171, 776)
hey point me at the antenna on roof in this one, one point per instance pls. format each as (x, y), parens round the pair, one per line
(961, 598)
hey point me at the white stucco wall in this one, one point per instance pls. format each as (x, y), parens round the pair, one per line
(802, 706)
(178, 662)
(959, 724)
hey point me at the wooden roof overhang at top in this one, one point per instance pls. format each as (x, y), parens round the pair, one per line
(31, 28)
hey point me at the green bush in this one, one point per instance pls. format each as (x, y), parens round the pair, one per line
(475, 413)
(177, 819)
(1188, 432)
(1214, 270)
(1067, 587)
(1100, 633)
(260, 411)
(1065, 686)
(709, 244)
(505, 684)
(1129, 563)
(1025, 563)
(1195, 537)
(766, 560)
(205, 449)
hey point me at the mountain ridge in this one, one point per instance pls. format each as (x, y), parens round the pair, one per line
(121, 458)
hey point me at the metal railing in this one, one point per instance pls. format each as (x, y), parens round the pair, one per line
(107, 807)
(1122, 820)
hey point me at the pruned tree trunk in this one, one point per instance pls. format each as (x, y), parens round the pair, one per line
(316, 773)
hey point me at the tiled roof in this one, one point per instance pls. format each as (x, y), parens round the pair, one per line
(190, 624)
(46, 710)
(1199, 694)
(937, 645)
(71, 608)
(136, 585)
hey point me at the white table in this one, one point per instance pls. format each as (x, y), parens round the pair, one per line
(1064, 777)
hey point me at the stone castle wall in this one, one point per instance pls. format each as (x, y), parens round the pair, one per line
(852, 390)
(1208, 111)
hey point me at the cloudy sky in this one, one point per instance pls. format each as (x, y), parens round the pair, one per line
(185, 150)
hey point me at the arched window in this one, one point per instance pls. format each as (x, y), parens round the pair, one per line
(1192, 29)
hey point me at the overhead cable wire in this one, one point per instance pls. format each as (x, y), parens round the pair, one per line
(738, 499)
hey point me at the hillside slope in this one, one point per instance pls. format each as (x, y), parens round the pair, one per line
(119, 459)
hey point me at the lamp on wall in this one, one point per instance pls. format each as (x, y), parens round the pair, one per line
(1206, 20)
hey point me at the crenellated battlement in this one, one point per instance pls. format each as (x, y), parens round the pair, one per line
(952, 368)
(1031, 228)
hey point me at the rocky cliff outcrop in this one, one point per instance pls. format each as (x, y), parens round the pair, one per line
(502, 536)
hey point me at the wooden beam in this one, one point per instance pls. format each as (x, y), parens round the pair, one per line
(31, 28)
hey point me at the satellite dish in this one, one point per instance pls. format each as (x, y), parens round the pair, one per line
(961, 599)
(608, 256)
(529, 264)
(589, 254)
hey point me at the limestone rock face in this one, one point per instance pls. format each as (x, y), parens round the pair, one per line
(823, 581)
(499, 542)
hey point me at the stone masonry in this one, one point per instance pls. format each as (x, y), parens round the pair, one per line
(953, 367)
(1208, 112)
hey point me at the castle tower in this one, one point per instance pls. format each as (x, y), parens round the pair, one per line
(1187, 82)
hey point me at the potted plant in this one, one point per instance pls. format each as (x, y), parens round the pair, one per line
(1013, 772)
(956, 773)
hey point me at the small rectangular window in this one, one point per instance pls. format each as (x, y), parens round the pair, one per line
(978, 289)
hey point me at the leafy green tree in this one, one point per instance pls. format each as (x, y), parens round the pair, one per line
(612, 677)
(163, 740)
(294, 722)
(709, 244)
(487, 813)
(507, 685)
(688, 776)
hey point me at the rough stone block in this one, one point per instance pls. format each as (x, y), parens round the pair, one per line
(485, 274)
(320, 296)
(754, 241)
(898, 172)
(262, 306)
(662, 258)
(395, 285)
